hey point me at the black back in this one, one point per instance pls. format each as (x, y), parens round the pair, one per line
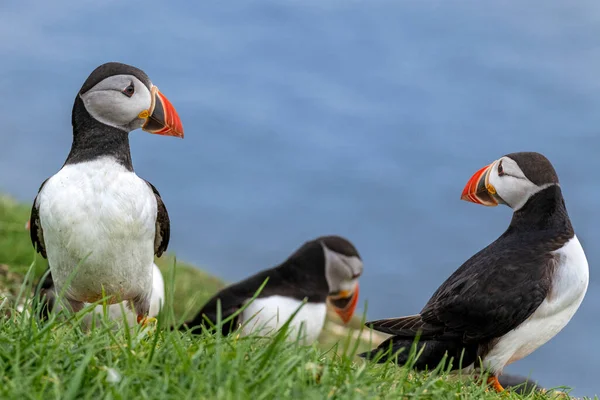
(499, 287)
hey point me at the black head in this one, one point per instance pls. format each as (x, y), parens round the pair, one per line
(512, 180)
(336, 262)
(123, 97)
(339, 245)
(535, 167)
(112, 69)
(314, 254)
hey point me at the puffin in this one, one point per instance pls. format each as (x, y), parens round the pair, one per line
(99, 224)
(511, 297)
(322, 270)
(115, 312)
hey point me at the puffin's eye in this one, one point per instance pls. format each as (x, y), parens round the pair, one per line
(129, 90)
(500, 169)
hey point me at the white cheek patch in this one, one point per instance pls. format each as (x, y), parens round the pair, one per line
(341, 271)
(106, 103)
(109, 107)
(514, 190)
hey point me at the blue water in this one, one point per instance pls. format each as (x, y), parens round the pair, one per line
(311, 117)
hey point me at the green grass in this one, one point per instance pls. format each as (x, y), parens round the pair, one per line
(57, 359)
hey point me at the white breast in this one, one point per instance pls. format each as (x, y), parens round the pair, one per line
(265, 316)
(102, 211)
(568, 289)
(115, 311)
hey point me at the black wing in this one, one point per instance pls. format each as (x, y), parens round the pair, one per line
(492, 304)
(489, 295)
(231, 302)
(163, 224)
(35, 227)
(233, 297)
(407, 327)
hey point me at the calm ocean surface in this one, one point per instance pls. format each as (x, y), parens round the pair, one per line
(313, 117)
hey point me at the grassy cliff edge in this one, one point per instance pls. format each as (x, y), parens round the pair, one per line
(59, 358)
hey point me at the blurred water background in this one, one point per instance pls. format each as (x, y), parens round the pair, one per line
(312, 117)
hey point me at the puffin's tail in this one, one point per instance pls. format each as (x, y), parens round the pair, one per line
(429, 353)
(433, 344)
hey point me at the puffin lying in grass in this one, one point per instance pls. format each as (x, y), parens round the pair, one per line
(322, 270)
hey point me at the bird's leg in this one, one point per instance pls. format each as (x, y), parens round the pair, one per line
(75, 305)
(145, 321)
(141, 305)
(47, 300)
(494, 383)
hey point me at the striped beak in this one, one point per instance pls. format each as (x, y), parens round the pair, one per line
(161, 118)
(344, 303)
(479, 190)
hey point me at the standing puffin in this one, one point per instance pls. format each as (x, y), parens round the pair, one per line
(326, 268)
(515, 294)
(95, 214)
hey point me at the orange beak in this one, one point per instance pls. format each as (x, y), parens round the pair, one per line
(161, 118)
(479, 190)
(344, 303)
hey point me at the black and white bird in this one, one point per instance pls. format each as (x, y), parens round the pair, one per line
(515, 294)
(96, 214)
(324, 269)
